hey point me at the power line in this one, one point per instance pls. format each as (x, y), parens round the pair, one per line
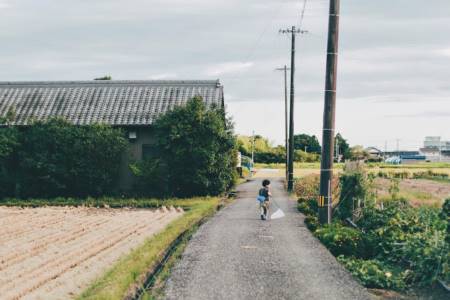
(302, 15)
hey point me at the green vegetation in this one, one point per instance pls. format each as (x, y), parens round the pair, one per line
(56, 158)
(343, 147)
(155, 288)
(391, 244)
(130, 272)
(194, 153)
(97, 202)
(406, 174)
(265, 153)
(306, 142)
(9, 143)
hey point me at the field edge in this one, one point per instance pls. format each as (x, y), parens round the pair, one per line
(128, 275)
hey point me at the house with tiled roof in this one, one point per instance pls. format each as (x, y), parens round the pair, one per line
(130, 105)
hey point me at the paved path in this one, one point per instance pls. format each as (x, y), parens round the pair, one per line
(235, 255)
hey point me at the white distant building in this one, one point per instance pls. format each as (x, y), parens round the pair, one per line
(435, 149)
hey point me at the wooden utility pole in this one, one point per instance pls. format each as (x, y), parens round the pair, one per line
(293, 31)
(286, 118)
(326, 166)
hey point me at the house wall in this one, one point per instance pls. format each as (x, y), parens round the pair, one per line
(133, 153)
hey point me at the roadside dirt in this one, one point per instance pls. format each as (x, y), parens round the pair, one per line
(55, 253)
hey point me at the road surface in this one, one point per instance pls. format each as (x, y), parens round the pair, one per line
(235, 255)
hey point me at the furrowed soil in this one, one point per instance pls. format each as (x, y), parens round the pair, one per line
(55, 253)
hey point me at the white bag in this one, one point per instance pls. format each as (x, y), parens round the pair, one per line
(277, 215)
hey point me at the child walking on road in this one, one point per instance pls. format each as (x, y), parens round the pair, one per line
(264, 195)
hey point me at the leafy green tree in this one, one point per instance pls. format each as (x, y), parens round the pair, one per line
(262, 145)
(344, 147)
(60, 159)
(308, 142)
(195, 150)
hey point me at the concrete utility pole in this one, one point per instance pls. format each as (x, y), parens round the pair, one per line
(326, 166)
(286, 118)
(253, 148)
(293, 31)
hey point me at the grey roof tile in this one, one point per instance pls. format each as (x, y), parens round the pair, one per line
(109, 102)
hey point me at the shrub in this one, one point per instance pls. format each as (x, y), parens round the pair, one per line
(57, 158)
(374, 273)
(9, 142)
(312, 222)
(308, 207)
(355, 188)
(341, 240)
(195, 152)
(302, 156)
(308, 187)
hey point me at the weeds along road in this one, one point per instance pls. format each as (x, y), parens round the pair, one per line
(235, 255)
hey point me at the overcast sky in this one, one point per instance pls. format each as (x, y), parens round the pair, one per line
(394, 63)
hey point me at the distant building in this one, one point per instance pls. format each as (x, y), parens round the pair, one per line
(375, 153)
(131, 105)
(436, 149)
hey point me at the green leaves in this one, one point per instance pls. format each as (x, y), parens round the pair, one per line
(196, 153)
(375, 273)
(56, 158)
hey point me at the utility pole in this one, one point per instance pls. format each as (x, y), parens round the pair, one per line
(326, 165)
(398, 147)
(286, 118)
(293, 31)
(253, 148)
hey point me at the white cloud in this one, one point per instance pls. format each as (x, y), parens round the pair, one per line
(4, 4)
(228, 68)
(444, 52)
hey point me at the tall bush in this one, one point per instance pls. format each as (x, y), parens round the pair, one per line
(57, 158)
(195, 149)
(355, 190)
(9, 142)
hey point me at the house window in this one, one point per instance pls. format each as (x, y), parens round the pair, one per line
(132, 135)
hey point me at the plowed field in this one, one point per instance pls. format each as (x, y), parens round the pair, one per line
(55, 253)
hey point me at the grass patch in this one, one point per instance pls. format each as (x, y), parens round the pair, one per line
(186, 204)
(131, 270)
(155, 289)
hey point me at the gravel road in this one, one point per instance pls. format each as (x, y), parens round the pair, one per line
(235, 255)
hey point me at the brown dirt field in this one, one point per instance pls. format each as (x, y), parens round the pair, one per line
(55, 253)
(417, 191)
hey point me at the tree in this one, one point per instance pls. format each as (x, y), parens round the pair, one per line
(344, 147)
(308, 142)
(195, 151)
(358, 153)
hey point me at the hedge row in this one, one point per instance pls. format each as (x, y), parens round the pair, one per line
(56, 158)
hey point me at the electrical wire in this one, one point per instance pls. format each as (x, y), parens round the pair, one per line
(302, 15)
